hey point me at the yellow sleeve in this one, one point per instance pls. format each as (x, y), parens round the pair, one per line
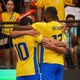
(64, 37)
(38, 38)
(39, 26)
(40, 3)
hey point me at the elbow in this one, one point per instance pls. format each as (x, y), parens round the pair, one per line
(64, 51)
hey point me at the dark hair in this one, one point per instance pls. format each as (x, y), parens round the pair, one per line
(52, 11)
(70, 16)
(13, 3)
(25, 20)
(8, 0)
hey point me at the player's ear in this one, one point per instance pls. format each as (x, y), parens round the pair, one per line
(48, 16)
(28, 23)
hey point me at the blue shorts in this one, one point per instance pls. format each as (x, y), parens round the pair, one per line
(31, 77)
(51, 71)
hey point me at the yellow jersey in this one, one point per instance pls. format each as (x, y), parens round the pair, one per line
(6, 17)
(58, 4)
(51, 30)
(25, 47)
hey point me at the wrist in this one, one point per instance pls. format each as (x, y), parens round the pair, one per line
(27, 32)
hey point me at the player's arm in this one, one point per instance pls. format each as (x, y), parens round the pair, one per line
(56, 42)
(51, 45)
(61, 43)
(37, 26)
(20, 28)
(32, 32)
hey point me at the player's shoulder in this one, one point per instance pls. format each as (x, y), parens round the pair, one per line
(54, 23)
(39, 24)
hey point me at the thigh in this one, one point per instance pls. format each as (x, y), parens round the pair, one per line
(48, 71)
(59, 73)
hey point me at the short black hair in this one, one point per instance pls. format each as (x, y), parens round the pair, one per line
(70, 16)
(52, 11)
(25, 20)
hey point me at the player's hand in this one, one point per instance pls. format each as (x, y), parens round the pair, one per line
(49, 45)
(45, 40)
(63, 26)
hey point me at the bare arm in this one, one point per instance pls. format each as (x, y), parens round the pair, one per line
(25, 32)
(61, 43)
(39, 14)
(51, 45)
(63, 26)
(28, 27)
(56, 42)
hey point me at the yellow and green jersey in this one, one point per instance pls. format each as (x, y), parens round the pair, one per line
(6, 17)
(25, 47)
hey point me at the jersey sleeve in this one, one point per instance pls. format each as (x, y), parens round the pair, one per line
(64, 37)
(39, 26)
(38, 38)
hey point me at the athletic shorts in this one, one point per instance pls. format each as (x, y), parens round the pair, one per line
(32, 77)
(51, 71)
(29, 0)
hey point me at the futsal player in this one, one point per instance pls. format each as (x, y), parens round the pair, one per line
(25, 46)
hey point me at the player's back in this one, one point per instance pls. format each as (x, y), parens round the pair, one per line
(53, 31)
(25, 47)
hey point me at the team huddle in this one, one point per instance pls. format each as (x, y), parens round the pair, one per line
(40, 55)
